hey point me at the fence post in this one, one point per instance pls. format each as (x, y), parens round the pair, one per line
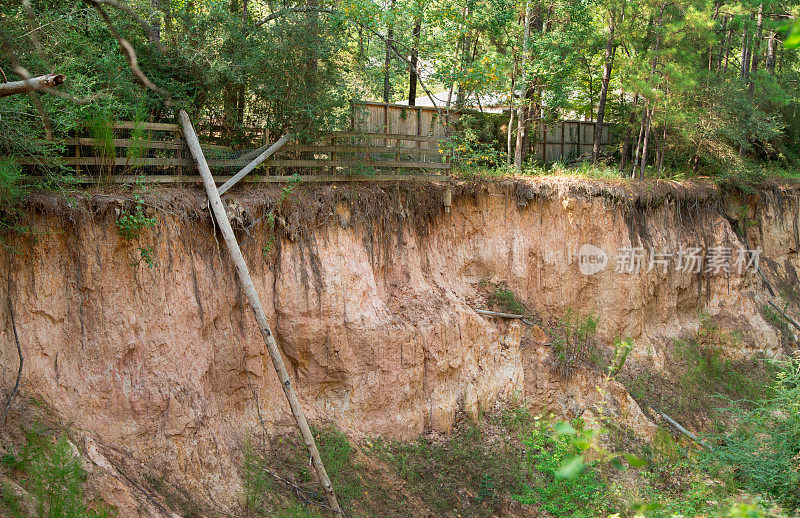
(179, 153)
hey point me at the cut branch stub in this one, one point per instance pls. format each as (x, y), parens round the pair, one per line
(31, 85)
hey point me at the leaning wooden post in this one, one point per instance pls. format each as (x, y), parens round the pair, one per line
(255, 304)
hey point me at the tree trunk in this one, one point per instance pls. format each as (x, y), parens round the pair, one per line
(511, 113)
(639, 143)
(519, 155)
(387, 86)
(31, 85)
(608, 65)
(727, 48)
(769, 63)
(412, 78)
(626, 144)
(757, 46)
(643, 162)
(745, 64)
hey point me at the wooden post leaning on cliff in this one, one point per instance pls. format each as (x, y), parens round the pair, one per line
(255, 304)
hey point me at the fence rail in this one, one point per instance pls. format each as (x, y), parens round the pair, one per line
(568, 139)
(158, 149)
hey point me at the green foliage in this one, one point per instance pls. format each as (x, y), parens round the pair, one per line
(147, 255)
(700, 379)
(569, 486)
(296, 511)
(53, 475)
(621, 350)
(475, 143)
(10, 502)
(337, 456)
(131, 224)
(258, 484)
(763, 444)
(11, 176)
(286, 192)
(465, 470)
(507, 301)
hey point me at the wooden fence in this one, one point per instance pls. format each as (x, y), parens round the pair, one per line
(567, 140)
(398, 119)
(149, 148)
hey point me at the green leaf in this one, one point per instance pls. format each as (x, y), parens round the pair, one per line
(572, 468)
(634, 461)
(793, 39)
(582, 444)
(563, 428)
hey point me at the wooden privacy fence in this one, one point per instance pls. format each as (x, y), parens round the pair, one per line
(420, 121)
(148, 148)
(567, 139)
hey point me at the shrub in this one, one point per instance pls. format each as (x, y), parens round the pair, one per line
(568, 486)
(131, 224)
(764, 444)
(574, 343)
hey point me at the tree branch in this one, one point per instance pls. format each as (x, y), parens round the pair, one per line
(31, 84)
(127, 49)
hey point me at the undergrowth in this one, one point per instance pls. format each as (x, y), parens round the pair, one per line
(699, 379)
(461, 474)
(50, 470)
(574, 343)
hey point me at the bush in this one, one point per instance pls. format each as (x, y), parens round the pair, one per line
(575, 343)
(584, 494)
(764, 444)
(131, 224)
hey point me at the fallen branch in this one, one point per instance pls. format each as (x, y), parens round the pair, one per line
(19, 349)
(33, 84)
(521, 318)
(683, 430)
(787, 317)
(252, 165)
(496, 314)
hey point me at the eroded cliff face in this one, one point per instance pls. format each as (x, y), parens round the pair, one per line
(371, 293)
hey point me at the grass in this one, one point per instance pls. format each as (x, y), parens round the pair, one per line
(699, 380)
(505, 299)
(50, 471)
(464, 473)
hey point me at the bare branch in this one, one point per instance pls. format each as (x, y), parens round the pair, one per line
(127, 49)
